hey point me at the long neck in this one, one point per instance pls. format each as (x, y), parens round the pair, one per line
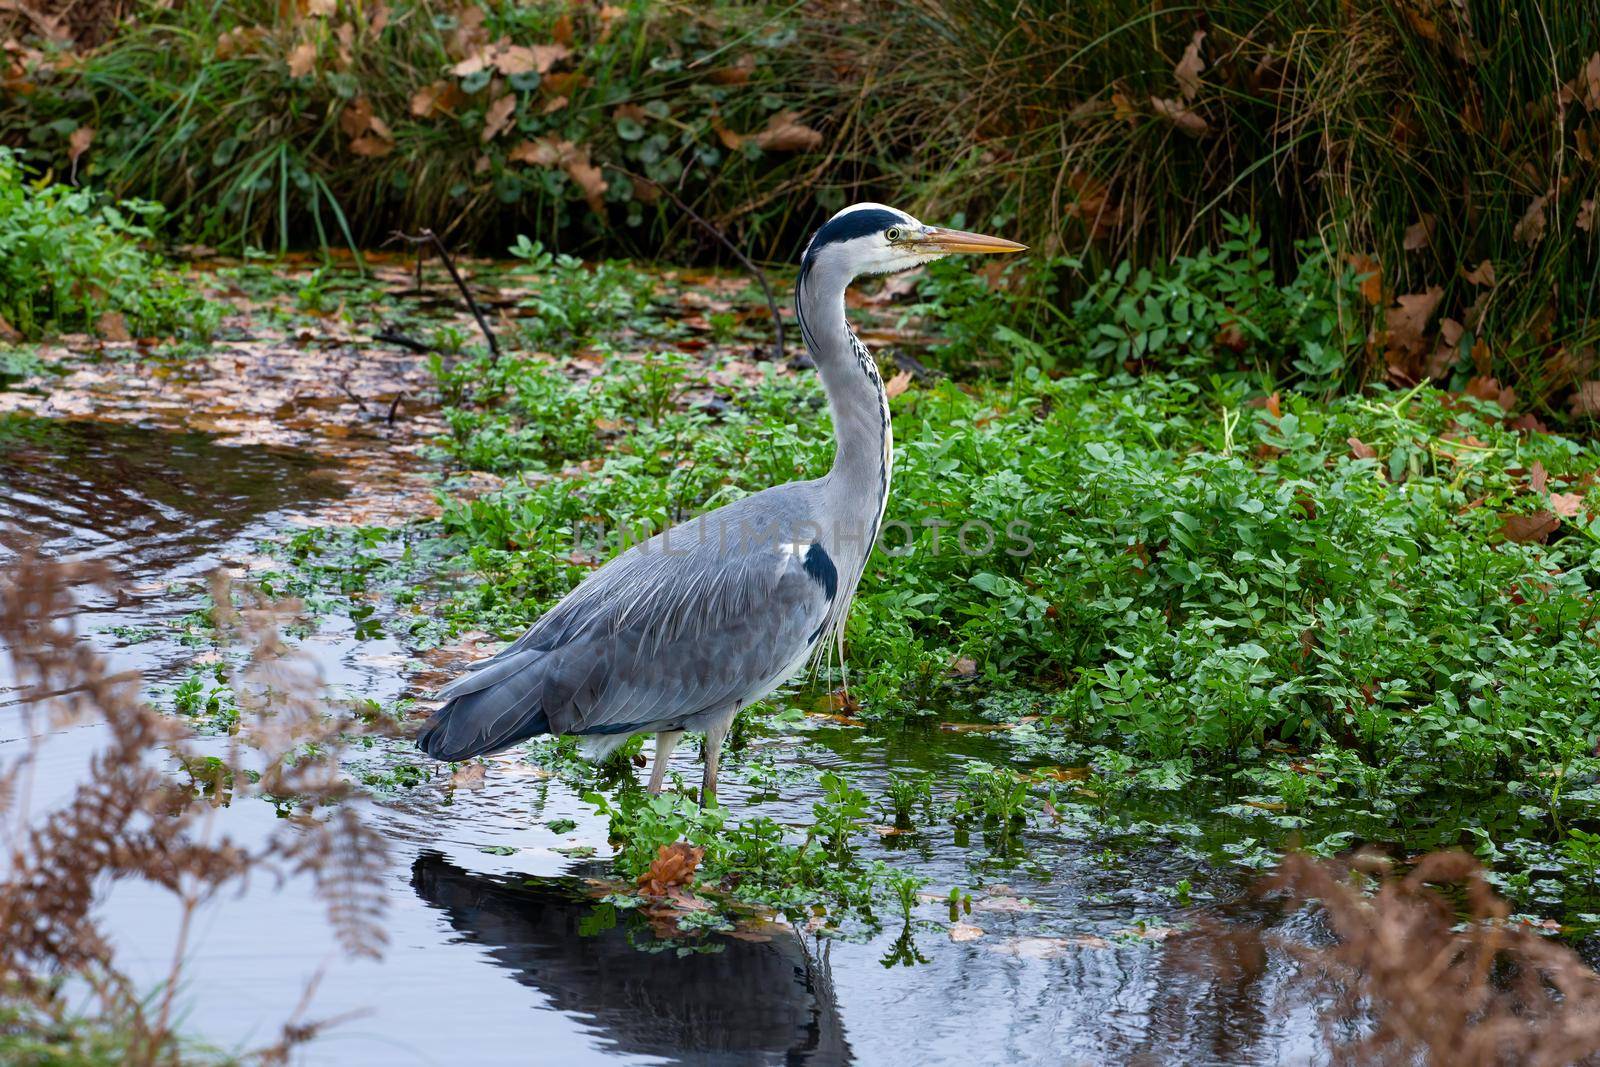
(858, 484)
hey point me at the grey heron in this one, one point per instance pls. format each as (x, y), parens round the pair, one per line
(683, 630)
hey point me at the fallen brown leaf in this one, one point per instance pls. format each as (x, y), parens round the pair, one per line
(1370, 271)
(1360, 449)
(1538, 477)
(470, 777)
(1482, 274)
(1190, 66)
(1408, 318)
(440, 98)
(673, 866)
(1524, 529)
(78, 143)
(302, 59)
(1586, 399)
(1567, 505)
(897, 384)
(786, 133)
(1530, 228)
(498, 117)
(1585, 219)
(1419, 233)
(1180, 116)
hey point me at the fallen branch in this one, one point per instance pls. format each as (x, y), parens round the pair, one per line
(428, 237)
(760, 275)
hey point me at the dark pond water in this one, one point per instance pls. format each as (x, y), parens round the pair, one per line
(500, 957)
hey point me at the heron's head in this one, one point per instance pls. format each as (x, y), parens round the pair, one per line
(874, 239)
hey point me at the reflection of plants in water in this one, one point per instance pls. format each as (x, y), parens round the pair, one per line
(997, 798)
(130, 819)
(903, 953)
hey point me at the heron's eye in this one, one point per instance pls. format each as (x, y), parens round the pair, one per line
(893, 233)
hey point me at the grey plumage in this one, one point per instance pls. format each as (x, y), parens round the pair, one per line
(680, 632)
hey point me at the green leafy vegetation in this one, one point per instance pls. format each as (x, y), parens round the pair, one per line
(71, 261)
(1336, 611)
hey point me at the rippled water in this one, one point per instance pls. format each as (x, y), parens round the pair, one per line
(504, 958)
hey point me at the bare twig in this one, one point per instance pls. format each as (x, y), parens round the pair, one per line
(394, 337)
(344, 385)
(760, 275)
(394, 405)
(428, 237)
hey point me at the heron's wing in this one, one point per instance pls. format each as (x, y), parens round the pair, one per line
(710, 613)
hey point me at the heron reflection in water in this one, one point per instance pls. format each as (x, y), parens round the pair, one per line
(752, 1002)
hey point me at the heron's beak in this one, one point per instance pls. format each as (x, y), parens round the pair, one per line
(942, 240)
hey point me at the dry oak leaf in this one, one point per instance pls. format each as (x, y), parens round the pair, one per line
(239, 41)
(1180, 116)
(1486, 388)
(78, 143)
(897, 385)
(1589, 78)
(1419, 233)
(540, 153)
(356, 117)
(786, 133)
(1370, 271)
(508, 58)
(574, 159)
(1360, 449)
(440, 98)
(1408, 317)
(1189, 67)
(1586, 399)
(1482, 274)
(673, 866)
(1530, 228)
(737, 74)
(1567, 505)
(302, 59)
(498, 117)
(964, 667)
(1524, 529)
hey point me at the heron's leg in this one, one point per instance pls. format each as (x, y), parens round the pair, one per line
(666, 741)
(715, 734)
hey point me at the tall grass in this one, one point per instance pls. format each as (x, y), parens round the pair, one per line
(1412, 141)
(1415, 140)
